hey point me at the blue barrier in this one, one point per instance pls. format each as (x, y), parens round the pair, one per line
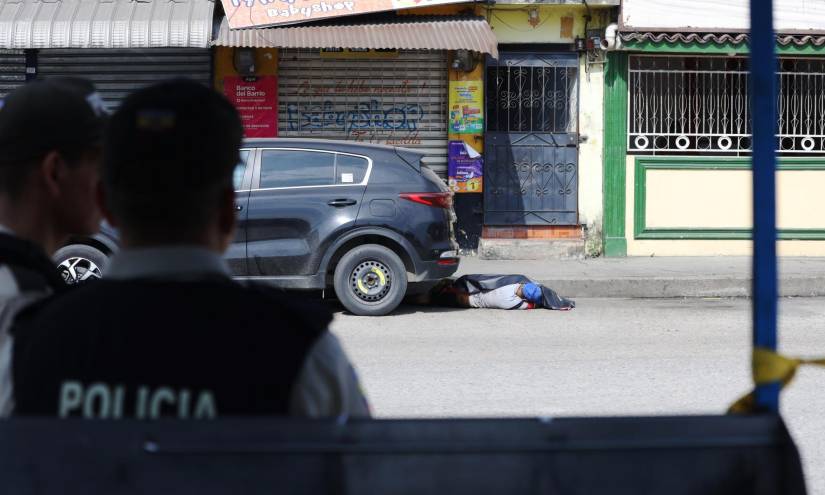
(660, 455)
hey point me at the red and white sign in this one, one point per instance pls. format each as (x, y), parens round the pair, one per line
(256, 98)
(260, 13)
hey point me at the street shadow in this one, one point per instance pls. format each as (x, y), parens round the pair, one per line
(411, 309)
(407, 307)
(404, 309)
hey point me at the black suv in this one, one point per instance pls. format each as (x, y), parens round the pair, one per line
(370, 221)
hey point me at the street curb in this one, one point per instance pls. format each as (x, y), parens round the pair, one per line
(663, 287)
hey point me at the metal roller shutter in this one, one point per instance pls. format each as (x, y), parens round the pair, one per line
(401, 100)
(12, 70)
(116, 73)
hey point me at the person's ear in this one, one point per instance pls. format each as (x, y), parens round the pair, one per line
(52, 169)
(101, 196)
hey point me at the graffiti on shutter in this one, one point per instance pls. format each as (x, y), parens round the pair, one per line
(399, 101)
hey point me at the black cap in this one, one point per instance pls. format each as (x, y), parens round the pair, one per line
(60, 114)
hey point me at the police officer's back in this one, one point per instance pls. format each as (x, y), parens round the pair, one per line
(50, 147)
(167, 332)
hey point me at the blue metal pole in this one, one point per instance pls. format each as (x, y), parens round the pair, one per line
(763, 104)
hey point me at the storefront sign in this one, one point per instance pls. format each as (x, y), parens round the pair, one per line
(256, 99)
(261, 13)
(466, 107)
(465, 168)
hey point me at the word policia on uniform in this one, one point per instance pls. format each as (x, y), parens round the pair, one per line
(103, 401)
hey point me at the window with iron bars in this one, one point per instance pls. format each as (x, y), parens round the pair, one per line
(700, 105)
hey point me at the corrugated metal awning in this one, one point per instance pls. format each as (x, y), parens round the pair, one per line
(448, 34)
(105, 23)
(720, 38)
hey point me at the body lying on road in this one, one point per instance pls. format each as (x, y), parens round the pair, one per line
(495, 292)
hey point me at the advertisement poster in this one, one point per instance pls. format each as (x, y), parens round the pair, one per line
(260, 13)
(466, 107)
(465, 168)
(256, 98)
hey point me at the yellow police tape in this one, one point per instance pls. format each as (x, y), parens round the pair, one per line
(769, 367)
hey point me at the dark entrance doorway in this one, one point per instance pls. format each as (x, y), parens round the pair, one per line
(531, 144)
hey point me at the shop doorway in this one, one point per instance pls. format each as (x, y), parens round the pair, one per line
(531, 143)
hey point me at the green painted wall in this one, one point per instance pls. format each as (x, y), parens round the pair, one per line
(716, 48)
(645, 163)
(615, 152)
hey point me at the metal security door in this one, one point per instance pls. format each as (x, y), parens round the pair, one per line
(117, 73)
(531, 145)
(398, 99)
(12, 70)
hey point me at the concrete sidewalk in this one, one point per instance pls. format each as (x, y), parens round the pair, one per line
(657, 276)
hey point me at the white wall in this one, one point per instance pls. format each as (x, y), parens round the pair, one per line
(719, 15)
(591, 123)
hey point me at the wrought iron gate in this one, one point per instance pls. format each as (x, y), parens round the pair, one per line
(531, 144)
(699, 105)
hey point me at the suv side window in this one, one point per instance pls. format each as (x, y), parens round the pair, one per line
(350, 169)
(292, 168)
(240, 169)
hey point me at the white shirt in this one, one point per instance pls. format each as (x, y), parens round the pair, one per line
(12, 301)
(501, 298)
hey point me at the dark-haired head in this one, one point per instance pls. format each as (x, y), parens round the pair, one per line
(169, 155)
(50, 151)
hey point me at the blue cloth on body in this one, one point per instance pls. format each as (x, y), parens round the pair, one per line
(532, 292)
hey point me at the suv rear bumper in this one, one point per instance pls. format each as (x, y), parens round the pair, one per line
(435, 270)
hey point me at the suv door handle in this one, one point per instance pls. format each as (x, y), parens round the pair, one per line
(342, 202)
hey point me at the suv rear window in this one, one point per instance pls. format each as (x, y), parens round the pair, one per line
(350, 169)
(293, 168)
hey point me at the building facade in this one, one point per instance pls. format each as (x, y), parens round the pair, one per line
(543, 153)
(118, 44)
(513, 122)
(555, 147)
(678, 130)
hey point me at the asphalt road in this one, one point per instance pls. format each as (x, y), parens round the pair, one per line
(606, 357)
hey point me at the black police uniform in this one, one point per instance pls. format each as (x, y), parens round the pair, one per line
(160, 348)
(33, 271)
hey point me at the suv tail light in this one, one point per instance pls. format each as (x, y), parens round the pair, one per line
(435, 199)
(448, 258)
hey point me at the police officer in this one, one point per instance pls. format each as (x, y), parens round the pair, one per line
(167, 333)
(50, 152)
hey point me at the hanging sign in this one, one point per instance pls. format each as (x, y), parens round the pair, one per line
(256, 99)
(465, 168)
(466, 107)
(262, 13)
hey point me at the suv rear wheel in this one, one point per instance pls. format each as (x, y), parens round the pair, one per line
(370, 280)
(79, 263)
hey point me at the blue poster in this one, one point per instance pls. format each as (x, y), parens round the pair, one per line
(465, 168)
